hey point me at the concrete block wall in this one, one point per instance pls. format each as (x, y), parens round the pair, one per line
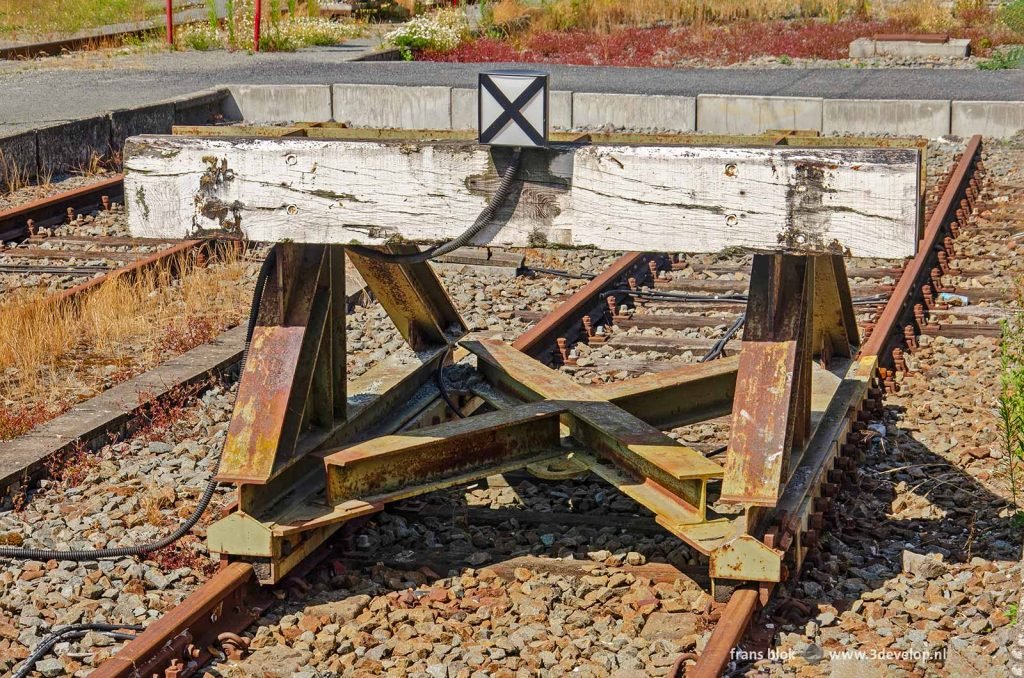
(728, 114)
(878, 116)
(281, 103)
(67, 146)
(424, 107)
(436, 107)
(18, 155)
(988, 118)
(634, 111)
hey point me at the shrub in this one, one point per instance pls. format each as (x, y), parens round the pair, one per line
(1012, 15)
(200, 37)
(441, 31)
(1003, 60)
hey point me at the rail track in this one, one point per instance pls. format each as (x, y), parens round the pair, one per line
(643, 306)
(72, 241)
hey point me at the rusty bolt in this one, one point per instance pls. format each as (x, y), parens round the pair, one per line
(563, 348)
(32, 227)
(910, 337)
(947, 244)
(175, 670)
(233, 645)
(632, 283)
(105, 202)
(653, 265)
(919, 316)
(926, 294)
(821, 504)
(588, 327)
(936, 277)
(943, 260)
(613, 306)
(954, 226)
(897, 358)
(71, 215)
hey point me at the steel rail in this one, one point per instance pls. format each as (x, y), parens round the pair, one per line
(565, 322)
(954, 205)
(53, 208)
(899, 310)
(182, 640)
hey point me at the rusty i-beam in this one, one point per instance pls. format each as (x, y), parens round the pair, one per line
(309, 449)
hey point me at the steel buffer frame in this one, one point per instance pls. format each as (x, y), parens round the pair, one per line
(308, 449)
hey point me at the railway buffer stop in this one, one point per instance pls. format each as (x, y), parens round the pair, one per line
(309, 449)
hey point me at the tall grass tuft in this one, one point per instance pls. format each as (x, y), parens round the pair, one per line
(47, 347)
(1011, 408)
(211, 14)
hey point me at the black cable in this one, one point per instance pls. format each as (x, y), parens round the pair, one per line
(559, 273)
(204, 500)
(485, 217)
(442, 388)
(74, 631)
(719, 347)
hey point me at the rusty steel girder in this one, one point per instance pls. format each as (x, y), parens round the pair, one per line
(294, 400)
(309, 452)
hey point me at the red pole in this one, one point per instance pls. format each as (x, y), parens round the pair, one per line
(256, 27)
(170, 22)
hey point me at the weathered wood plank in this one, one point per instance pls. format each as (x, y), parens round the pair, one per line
(668, 198)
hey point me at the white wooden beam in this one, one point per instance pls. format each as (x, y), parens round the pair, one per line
(659, 198)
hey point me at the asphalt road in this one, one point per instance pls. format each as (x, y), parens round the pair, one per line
(54, 90)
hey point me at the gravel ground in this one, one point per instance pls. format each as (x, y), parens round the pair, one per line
(57, 185)
(919, 557)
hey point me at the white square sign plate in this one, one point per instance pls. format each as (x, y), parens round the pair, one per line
(513, 108)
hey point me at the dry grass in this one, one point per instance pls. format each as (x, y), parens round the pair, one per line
(54, 354)
(12, 176)
(606, 15)
(69, 16)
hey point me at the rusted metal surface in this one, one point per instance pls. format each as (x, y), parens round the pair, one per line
(677, 397)
(773, 378)
(412, 463)
(565, 322)
(911, 37)
(645, 451)
(727, 635)
(413, 297)
(185, 638)
(887, 329)
(54, 209)
(274, 387)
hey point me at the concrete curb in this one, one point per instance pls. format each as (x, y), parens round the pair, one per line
(60, 147)
(425, 107)
(66, 146)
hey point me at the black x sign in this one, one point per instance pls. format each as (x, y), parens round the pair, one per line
(512, 110)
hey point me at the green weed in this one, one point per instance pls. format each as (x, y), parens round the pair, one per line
(1004, 59)
(1011, 406)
